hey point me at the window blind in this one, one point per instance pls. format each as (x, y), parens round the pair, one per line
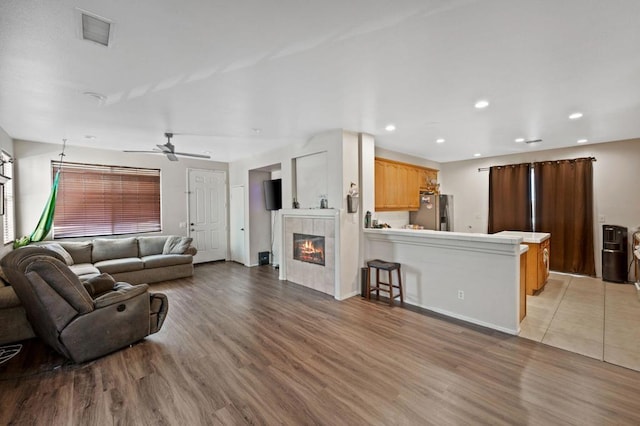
(106, 200)
(8, 218)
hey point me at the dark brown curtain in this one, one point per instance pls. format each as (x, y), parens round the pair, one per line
(510, 198)
(564, 208)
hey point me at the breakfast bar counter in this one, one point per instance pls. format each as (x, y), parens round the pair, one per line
(469, 276)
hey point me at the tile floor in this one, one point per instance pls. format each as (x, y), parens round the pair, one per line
(588, 316)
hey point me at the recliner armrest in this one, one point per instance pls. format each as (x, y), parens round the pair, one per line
(121, 292)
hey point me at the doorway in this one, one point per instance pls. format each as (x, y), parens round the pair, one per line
(207, 214)
(236, 224)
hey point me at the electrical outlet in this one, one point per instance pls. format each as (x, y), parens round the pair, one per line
(182, 224)
(460, 294)
(601, 218)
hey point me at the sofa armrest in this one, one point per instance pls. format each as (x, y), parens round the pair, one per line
(121, 292)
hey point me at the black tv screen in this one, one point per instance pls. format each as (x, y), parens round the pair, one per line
(273, 194)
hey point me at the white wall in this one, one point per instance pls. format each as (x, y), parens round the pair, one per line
(33, 179)
(311, 173)
(406, 158)
(350, 227)
(616, 175)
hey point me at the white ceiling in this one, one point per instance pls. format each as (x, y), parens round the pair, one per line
(215, 70)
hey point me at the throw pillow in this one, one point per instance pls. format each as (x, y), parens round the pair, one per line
(98, 285)
(176, 245)
(61, 251)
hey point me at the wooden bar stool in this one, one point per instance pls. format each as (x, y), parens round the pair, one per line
(389, 267)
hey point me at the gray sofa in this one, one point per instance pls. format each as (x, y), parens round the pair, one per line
(134, 260)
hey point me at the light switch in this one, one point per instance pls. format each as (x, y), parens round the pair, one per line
(601, 218)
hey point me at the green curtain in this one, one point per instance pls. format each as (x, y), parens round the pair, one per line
(46, 219)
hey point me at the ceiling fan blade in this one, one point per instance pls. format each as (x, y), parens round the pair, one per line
(186, 154)
(164, 148)
(171, 156)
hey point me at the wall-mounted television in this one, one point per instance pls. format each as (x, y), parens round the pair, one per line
(273, 194)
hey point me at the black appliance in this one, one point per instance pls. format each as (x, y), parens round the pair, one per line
(614, 253)
(273, 194)
(263, 258)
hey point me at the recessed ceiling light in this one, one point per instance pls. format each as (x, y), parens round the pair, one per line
(482, 104)
(206, 152)
(520, 140)
(575, 116)
(90, 137)
(582, 140)
(440, 140)
(390, 127)
(256, 130)
(477, 154)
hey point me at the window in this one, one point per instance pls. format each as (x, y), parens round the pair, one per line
(105, 200)
(8, 218)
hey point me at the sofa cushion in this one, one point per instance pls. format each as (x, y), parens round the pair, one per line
(176, 245)
(82, 269)
(161, 260)
(114, 266)
(8, 298)
(80, 251)
(4, 281)
(151, 245)
(114, 248)
(60, 250)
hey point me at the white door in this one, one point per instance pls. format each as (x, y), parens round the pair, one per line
(207, 214)
(236, 224)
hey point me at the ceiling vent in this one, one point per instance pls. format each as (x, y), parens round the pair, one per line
(95, 28)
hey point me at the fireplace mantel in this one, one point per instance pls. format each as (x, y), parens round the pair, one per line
(309, 212)
(308, 275)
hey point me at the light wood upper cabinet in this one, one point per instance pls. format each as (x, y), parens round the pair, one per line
(398, 184)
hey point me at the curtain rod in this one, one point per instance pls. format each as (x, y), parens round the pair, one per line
(486, 169)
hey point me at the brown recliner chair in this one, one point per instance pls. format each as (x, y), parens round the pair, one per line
(81, 320)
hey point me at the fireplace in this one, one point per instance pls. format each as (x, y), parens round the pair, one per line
(308, 248)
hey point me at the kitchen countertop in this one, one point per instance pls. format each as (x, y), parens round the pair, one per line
(446, 235)
(527, 237)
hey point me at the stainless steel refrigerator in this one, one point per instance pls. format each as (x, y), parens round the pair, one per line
(436, 212)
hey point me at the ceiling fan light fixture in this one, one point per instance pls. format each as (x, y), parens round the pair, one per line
(169, 150)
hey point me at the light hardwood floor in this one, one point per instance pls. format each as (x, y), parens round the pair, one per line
(241, 347)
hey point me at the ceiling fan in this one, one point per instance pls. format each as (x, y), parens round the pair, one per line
(169, 150)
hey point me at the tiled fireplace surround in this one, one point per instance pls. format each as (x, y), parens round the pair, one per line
(318, 222)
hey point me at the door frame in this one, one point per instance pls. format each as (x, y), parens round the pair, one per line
(243, 255)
